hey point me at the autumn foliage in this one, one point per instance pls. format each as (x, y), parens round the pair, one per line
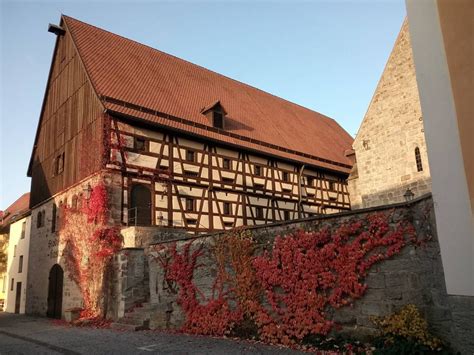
(89, 245)
(290, 289)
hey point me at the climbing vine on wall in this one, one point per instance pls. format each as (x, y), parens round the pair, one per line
(290, 290)
(90, 244)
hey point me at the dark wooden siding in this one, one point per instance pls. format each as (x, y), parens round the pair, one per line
(71, 123)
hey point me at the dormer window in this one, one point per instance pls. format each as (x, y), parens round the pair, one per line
(216, 113)
(218, 120)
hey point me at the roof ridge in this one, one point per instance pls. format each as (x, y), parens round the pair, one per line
(200, 66)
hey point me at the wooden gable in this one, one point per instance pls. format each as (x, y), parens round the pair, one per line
(70, 129)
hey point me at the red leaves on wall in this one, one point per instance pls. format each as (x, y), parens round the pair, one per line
(291, 291)
(89, 245)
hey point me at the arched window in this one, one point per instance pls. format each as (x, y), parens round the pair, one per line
(139, 213)
(419, 165)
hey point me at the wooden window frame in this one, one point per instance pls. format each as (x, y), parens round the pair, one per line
(190, 153)
(286, 215)
(258, 170)
(226, 164)
(227, 209)
(285, 176)
(309, 180)
(259, 212)
(190, 204)
(142, 146)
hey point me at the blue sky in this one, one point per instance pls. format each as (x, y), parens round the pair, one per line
(325, 55)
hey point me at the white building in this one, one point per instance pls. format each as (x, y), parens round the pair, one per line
(17, 265)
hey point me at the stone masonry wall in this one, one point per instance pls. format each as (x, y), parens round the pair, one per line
(415, 276)
(46, 246)
(391, 130)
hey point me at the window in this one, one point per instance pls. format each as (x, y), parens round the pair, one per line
(226, 163)
(190, 156)
(11, 285)
(14, 250)
(217, 120)
(4, 285)
(419, 165)
(228, 224)
(59, 164)
(286, 215)
(309, 180)
(286, 176)
(227, 208)
(40, 219)
(189, 173)
(259, 212)
(226, 180)
(20, 264)
(139, 144)
(74, 202)
(23, 230)
(331, 185)
(53, 218)
(189, 204)
(191, 221)
(258, 170)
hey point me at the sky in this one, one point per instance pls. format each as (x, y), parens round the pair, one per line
(324, 55)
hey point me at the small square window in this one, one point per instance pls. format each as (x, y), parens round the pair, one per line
(286, 176)
(190, 204)
(227, 208)
(226, 163)
(190, 155)
(286, 215)
(228, 224)
(331, 185)
(309, 180)
(139, 144)
(259, 212)
(258, 170)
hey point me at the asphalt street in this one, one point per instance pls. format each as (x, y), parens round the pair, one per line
(21, 334)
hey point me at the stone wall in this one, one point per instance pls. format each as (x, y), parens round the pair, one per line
(47, 246)
(390, 131)
(414, 276)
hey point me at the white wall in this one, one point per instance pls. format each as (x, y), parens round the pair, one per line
(17, 247)
(454, 217)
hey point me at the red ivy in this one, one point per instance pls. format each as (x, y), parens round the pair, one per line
(305, 276)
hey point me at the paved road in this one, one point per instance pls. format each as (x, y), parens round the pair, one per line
(21, 334)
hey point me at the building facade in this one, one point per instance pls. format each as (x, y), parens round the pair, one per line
(176, 145)
(390, 148)
(18, 210)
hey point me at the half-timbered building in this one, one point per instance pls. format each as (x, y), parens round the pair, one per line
(194, 149)
(179, 146)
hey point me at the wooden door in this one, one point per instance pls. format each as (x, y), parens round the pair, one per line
(18, 297)
(139, 213)
(55, 292)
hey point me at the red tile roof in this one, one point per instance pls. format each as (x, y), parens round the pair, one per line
(17, 208)
(143, 82)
